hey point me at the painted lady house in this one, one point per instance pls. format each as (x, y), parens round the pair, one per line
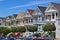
(39, 17)
(52, 14)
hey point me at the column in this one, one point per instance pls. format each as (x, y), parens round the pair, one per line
(55, 16)
(30, 20)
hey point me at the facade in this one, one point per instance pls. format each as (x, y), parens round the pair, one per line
(20, 19)
(52, 14)
(28, 18)
(39, 18)
(10, 21)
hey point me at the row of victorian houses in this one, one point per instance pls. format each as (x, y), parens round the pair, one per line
(39, 16)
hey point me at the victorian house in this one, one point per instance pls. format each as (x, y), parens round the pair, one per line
(28, 18)
(39, 17)
(11, 20)
(20, 19)
(52, 14)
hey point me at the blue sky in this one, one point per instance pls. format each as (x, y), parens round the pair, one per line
(9, 7)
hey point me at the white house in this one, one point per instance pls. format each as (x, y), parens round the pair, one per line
(39, 17)
(52, 14)
(28, 18)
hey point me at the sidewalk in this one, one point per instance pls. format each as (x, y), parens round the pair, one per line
(57, 39)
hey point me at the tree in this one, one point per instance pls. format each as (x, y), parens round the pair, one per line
(6, 30)
(49, 27)
(1, 30)
(21, 29)
(32, 28)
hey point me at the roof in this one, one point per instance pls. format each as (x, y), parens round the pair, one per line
(1, 18)
(30, 11)
(12, 16)
(56, 5)
(42, 8)
(20, 15)
(15, 15)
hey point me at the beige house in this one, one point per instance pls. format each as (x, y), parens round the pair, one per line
(19, 19)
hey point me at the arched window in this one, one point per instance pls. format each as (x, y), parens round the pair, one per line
(56, 14)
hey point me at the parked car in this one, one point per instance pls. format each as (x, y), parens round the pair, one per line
(2, 38)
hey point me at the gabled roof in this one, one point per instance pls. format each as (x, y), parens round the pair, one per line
(15, 15)
(1, 18)
(42, 9)
(12, 16)
(20, 15)
(30, 11)
(9, 17)
(56, 5)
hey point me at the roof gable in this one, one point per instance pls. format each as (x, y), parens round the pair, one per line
(51, 6)
(20, 15)
(42, 9)
(30, 11)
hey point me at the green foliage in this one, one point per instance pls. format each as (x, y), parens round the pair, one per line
(13, 29)
(32, 28)
(1, 30)
(21, 29)
(49, 27)
(52, 34)
(18, 29)
(4, 30)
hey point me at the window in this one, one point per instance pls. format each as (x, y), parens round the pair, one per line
(0, 23)
(56, 14)
(48, 17)
(31, 20)
(39, 25)
(53, 15)
(36, 19)
(0, 20)
(39, 16)
(42, 18)
(26, 20)
(27, 13)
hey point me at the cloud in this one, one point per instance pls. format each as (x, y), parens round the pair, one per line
(32, 3)
(29, 4)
